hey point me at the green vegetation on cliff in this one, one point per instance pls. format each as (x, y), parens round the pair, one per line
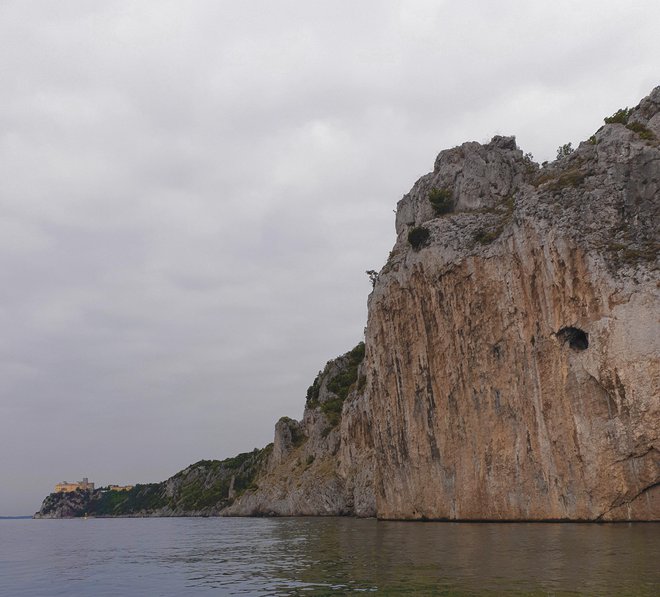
(142, 498)
(204, 488)
(340, 380)
(418, 237)
(441, 200)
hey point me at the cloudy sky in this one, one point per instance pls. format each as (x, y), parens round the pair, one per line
(191, 193)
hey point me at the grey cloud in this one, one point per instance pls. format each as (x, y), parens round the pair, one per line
(191, 195)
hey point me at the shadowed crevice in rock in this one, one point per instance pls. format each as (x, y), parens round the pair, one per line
(576, 338)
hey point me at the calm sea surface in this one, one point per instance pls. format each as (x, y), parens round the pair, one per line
(324, 556)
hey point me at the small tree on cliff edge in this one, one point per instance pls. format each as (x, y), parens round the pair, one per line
(373, 276)
(564, 150)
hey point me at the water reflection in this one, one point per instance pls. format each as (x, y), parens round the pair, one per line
(437, 557)
(317, 556)
(330, 556)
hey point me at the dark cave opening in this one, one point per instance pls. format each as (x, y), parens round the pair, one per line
(577, 339)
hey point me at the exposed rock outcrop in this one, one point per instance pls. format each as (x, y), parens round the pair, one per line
(322, 465)
(511, 364)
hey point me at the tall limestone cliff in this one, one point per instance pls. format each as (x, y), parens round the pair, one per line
(513, 355)
(512, 347)
(511, 363)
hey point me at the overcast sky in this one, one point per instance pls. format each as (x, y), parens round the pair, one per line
(191, 192)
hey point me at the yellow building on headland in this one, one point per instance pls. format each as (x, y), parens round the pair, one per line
(85, 485)
(65, 487)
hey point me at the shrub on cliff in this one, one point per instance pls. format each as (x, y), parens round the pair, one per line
(641, 130)
(620, 116)
(485, 236)
(441, 200)
(373, 277)
(341, 384)
(564, 150)
(332, 410)
(313, 391)
(418, 237)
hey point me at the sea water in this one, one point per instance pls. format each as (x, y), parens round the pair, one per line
(324, 556)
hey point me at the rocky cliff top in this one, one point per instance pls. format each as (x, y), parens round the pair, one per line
(603, 195)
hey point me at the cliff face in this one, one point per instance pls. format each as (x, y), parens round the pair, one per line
(513, 358)
(512, 346)
(511, 363)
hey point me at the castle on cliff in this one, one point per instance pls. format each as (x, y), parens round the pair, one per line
(83, 485)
